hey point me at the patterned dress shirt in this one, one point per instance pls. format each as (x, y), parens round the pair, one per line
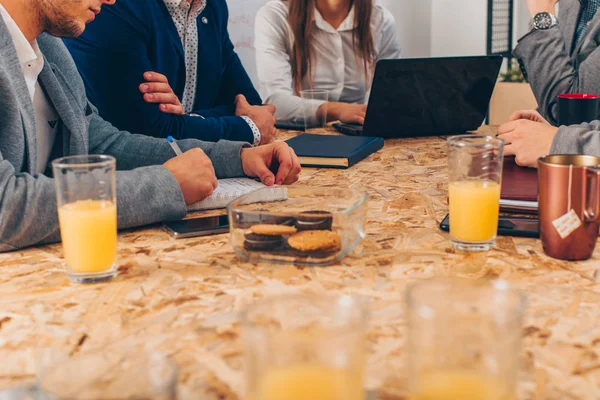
(588, 10)
(185, 14)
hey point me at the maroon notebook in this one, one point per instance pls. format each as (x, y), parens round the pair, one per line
(518, 184)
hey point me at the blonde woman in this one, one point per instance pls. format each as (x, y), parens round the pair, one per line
(322, 44)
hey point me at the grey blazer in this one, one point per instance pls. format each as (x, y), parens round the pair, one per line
(146, 191)
(554, 64)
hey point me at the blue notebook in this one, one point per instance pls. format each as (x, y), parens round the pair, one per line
(333, 151)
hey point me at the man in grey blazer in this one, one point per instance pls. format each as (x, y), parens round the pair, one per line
(152, 184)
(561, 55)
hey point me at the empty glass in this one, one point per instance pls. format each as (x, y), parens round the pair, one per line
(464, 340)
(314, 107)
(107, 374)
(301, 347)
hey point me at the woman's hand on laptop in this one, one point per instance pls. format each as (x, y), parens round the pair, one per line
(527, 140)
(347, 113)
(157, 90)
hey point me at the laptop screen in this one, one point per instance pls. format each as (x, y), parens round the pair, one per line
(433, 96)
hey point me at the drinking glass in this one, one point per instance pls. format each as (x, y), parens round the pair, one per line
(87, 213)
(107, 374)
(19, 393)
(314, 106)
(475, 176)
(300, 347)
(464, 340)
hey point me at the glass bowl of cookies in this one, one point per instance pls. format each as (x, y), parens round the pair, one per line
(298, 225)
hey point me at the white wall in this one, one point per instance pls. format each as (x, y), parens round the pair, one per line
(521, 20)
(413, 18)
(241, 30)
(458, 27)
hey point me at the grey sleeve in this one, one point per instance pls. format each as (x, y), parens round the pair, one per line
(551, 72)
(134, 151)
(28, 213)
(577, 139)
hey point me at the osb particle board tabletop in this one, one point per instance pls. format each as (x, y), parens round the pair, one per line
(182, 297)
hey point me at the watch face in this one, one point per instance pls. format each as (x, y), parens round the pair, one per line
(543, 20)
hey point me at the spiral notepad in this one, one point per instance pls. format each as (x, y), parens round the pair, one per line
(227, 191)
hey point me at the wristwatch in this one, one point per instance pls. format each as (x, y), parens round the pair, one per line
(543, 20)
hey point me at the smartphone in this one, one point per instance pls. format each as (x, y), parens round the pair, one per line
(203, 226)
(349, 129)
(508, 226)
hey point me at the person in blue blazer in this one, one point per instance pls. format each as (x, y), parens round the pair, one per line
(168, 68)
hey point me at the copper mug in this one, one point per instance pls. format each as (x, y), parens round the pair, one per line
(556, 181)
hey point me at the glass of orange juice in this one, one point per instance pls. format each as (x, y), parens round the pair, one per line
(475, 176)
(464, 340)
(300, 347)
(87, 214)
(113, 372)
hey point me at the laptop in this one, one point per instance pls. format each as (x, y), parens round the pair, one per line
(428, 96)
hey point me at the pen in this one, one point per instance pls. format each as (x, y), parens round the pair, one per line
(174, 146)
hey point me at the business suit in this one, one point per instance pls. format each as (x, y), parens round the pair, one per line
(554, 63)
(146, 191)
(132, 37)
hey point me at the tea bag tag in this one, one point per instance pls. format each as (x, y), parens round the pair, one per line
(567, 224)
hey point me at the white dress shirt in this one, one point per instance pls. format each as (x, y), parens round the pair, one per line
(32, 63)
(185, 14)
(335, 67)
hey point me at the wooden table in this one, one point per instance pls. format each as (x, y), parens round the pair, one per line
(182, 297)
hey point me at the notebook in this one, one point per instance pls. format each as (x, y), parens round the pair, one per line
(519, 188)
(232, 189)
(333, 151)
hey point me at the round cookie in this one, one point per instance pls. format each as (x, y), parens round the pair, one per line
(273, 230)
(307, 241)
(314, 221)
(255, 242)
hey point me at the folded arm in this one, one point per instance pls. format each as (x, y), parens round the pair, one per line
(551, 72)
(578, 139)
(28, 213)
(113, 66)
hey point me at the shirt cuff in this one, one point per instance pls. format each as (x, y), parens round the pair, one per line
(255, 130)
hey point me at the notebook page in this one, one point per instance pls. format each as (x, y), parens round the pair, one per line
(227, 191)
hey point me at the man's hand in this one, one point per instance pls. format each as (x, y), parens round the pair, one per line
(157, 90)
(195, 173)
(530, 115)
(347, 113)
(262, 116)
(538, 6)
(527, 140)
(275, 163)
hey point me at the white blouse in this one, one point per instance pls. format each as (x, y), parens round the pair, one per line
(335, 67)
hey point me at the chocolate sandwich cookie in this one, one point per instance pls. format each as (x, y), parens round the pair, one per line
(247, 220)
(315, 254)
(314, 221)
(278, 220)
(256, 242)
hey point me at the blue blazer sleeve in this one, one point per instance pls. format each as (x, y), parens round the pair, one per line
(235, 78)
(112, 57)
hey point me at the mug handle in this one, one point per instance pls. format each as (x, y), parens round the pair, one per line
(592, 195)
